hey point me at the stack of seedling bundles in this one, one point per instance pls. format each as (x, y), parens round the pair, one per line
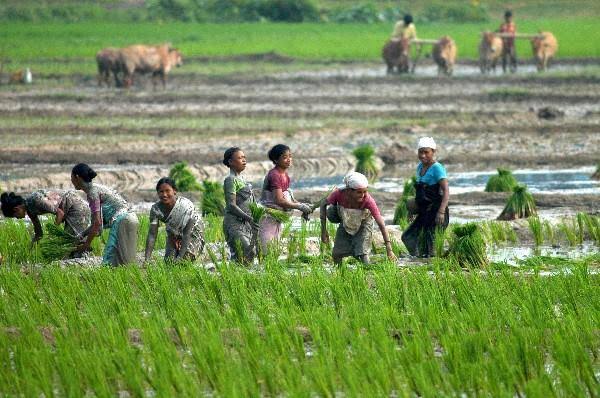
(520, 205)
(213, 198)
(467, 246)
(504, 181)
(402, 212)
(365, 162)
(183, 177)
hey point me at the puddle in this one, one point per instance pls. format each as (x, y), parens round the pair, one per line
(513, 255)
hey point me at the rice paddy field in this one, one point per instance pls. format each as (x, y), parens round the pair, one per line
(514, 311)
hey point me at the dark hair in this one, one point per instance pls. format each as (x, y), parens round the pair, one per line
(408, 19)
(9, 202)
(229, 154)
(84, 171)
(276, 152)
(507, 14)
(166, 180)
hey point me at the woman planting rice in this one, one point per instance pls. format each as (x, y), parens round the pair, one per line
(185, 233)
(432, 195)
(239, 226)
(109, 210)
(67, 206)
(276, 194)
(354, 209)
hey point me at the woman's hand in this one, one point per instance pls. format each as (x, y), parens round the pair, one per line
(440, 218)
(305, 208)
(390, 253)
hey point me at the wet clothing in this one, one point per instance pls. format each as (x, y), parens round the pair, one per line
(77, 213)
(401, 31)
(509, 53)
(354, 234)
(115, 214)
(270, 229)
(419, 236)
(185, 230)
(238, 231)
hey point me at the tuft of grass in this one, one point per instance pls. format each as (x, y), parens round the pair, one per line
(468, 247)
(592, 225)
(56, 244)
(365, 161)
(535, 225)
(213, 198)
(549, 233)
(504, 181)
(569, 232)
(183, 177)
(520, 204)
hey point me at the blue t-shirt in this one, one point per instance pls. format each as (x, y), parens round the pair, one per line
(433, 175)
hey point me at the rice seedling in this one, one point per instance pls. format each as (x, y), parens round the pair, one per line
(365, 161)
(549, 233)
(520, 205)
(402, 212)
(467, 246)
(56, 244)
(279, 215)
(183, 177)
(569, 233)
(213, 228)
(498, 232)
(535, 226)
(580, 226)
(504, 181)
(257, 211)
(213, 198)
(439, 241)
(592, 224)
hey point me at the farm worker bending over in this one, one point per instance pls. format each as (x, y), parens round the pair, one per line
(238, 225)
(67, 206)
(109, 210)
(432, 195)
(509, 52)
(354, 210)
(276, 194)
(405, 29)
(185, 231)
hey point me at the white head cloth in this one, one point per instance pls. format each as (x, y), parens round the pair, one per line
(426, 142)
(355, 180)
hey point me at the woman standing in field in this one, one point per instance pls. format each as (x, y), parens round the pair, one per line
(432, 195)
(276, 194)
(67, 206)
(239, 227)
(354, 210)
(109, 210)
(185, 232)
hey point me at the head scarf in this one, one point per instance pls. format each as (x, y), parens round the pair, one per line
(355, 180)
(426, 142)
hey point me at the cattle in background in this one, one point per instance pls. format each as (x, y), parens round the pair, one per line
(490, 50)
(444, 55)
(544, 48)
(395, 54)
(157, 60)
(108, 62)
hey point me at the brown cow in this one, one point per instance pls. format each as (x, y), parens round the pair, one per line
(544, 48)
(158, 60)
(108, 61)
(490, 50)
(444, 55)
(395, 54)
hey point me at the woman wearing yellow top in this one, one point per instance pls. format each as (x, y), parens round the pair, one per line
(405, 29)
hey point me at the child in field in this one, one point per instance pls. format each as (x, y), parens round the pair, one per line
(354, 210)
(432, 195)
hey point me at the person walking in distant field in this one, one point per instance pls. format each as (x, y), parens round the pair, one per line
(239, 227)
(185, 231)
(431, 198)
(109, 210)
(405, 29)
(509, 52)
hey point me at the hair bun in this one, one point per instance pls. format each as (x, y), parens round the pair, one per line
(92, 174)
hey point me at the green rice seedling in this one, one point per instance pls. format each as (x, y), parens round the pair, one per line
(402, 212)
(520, 205)
(56, 244)
(592, 224)
(504, 181)
(550, 236)
(365, 161)
(580, 219)
(535, 226)
(467, 246)
(569, 233)
(257, 211)
(213, 228)
(213, 198)
(183, 177)
(439, 241)
(319, 202)
(15, 243)
(279, 215)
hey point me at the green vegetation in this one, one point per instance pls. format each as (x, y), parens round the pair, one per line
(402, 212)
(520, 204)
(365, 161)
(509, 94)
(213, 198)
(535, 225)
(183, 177)
(56, 244)
(467, 246)
(503, 182)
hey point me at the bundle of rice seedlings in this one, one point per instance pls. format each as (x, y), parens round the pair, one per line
(520, 205)
(56, 244)
(319, 202)
(402, 211)
(535, 225)
(504, 181)
(257, 211)
(183, 177)
(279, 215)
(468, 246)
(365, 161)
(213, 198)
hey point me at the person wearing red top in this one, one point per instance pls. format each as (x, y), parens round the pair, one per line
(509, 52)
(354, 210)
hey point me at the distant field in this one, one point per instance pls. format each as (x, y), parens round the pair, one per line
(578, 37)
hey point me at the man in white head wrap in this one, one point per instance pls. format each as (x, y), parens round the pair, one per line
(432, 196)
(354, 209)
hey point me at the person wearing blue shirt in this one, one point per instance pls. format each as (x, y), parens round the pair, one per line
(432, 195)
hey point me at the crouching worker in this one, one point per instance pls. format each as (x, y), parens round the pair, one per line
(354, 210)
(185, 231)
(432, 195)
